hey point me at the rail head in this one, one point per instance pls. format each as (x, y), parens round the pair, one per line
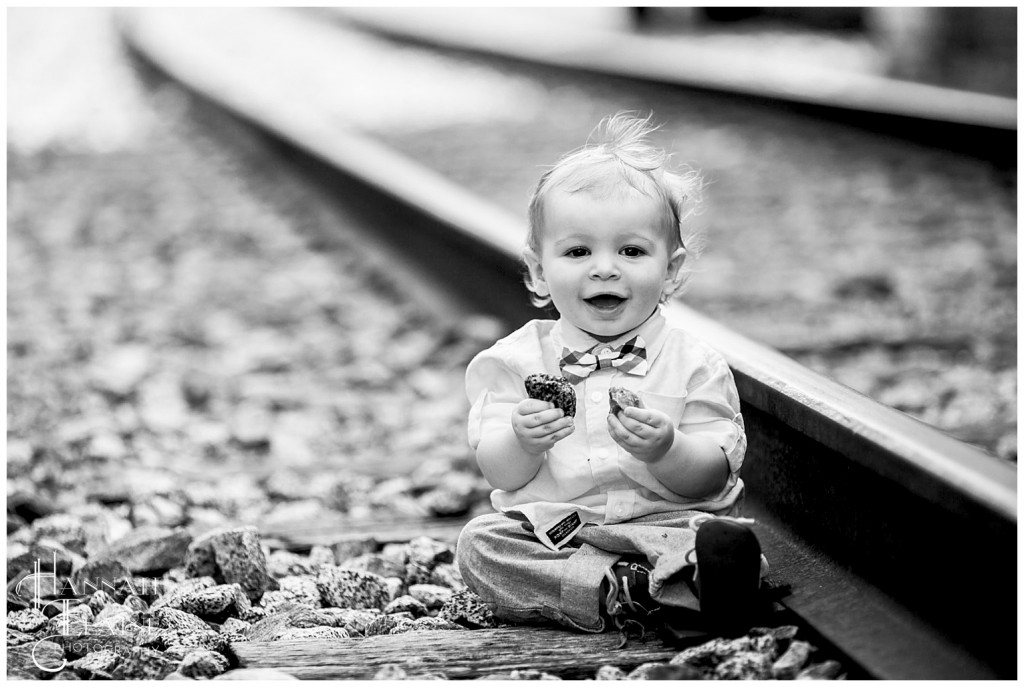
(673, 61)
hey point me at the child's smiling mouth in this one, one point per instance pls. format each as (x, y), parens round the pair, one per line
(605, 301)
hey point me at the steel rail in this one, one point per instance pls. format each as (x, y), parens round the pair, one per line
(976, 123)
(899, 541)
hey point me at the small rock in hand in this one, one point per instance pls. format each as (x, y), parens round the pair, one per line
(552, 389)
(619, 398)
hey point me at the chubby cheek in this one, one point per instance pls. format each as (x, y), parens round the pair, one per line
(563, 283)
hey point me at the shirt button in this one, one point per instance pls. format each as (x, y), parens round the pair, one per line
(596, 396)
(621, 510)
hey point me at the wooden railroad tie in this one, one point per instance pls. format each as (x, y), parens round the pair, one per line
(457, 654)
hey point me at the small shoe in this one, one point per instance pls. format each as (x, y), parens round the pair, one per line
(628, 602)
(728, 576)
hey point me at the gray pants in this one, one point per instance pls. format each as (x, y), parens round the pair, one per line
(521, 580)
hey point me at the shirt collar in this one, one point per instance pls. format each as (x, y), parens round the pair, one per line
(652, 331)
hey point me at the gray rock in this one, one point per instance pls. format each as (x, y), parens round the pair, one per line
(344, 588)
(235, 556)
(177, 643)
(78, 645)
(234, 625)
(135, 603)
(351, 548)
(446, 501)
(421, 624)
(286, 563)
(272, 602)
(447, 575)
(782, 634)
(680, 671)
(433, 596)
(100, 575)
(466, 608)
(745, 665)
(27, 620)
(145, 664)
(354, 620)
(215, 604)
(765, 644)
(406, 604)
(827, 670)
(318, 632)
(99, 600)
(38, 660)
(395, 587)
(399, 553)
(176, 619)
(75, 620)
(22, 558)
(300, 589)
(376, 564)
(642, 671)
(289, 617)
(793, 661)
(709, 654)
(381, 625)
(321, 555)
(118, 620)
(152, 550)
(103, 662)
(67, 530)
(160, 511)
(19, 638)
(607, 672)
(72, 675)
(425, 554)
(203, 664)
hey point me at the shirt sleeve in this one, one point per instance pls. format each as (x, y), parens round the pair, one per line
(494, 389)
(713, 409)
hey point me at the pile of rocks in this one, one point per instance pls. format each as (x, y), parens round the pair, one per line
(113, 617)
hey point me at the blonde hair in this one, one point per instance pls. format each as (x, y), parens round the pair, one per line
(619, 158)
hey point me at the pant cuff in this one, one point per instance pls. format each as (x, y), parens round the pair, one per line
(581, 585)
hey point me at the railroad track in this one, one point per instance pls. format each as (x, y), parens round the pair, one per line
(898, 541)
(974, 123)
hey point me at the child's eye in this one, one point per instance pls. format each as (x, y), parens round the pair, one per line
(577, 252)
(633, 251)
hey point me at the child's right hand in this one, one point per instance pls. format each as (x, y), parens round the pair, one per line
(539, 425)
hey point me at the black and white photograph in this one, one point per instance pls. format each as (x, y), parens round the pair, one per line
(468, 342)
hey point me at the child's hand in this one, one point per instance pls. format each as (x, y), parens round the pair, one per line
(539, 425)
(646, 433)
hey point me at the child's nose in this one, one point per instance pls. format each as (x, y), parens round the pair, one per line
(604, 268)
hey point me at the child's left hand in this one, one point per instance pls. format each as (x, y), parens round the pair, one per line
(646, 433)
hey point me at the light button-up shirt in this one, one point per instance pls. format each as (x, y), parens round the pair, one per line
(587, 477)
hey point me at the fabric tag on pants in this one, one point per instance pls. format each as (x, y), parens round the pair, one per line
(556, 535)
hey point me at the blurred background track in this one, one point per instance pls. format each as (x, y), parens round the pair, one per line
(843, 76)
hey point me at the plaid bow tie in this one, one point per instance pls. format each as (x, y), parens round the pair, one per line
(631, 357)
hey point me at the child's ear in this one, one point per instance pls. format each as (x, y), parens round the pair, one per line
(673, 273)
(532, 260)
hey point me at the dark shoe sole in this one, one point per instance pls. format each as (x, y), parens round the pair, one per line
(729, 572)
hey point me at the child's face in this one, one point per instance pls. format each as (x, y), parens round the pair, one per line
(604, 261)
